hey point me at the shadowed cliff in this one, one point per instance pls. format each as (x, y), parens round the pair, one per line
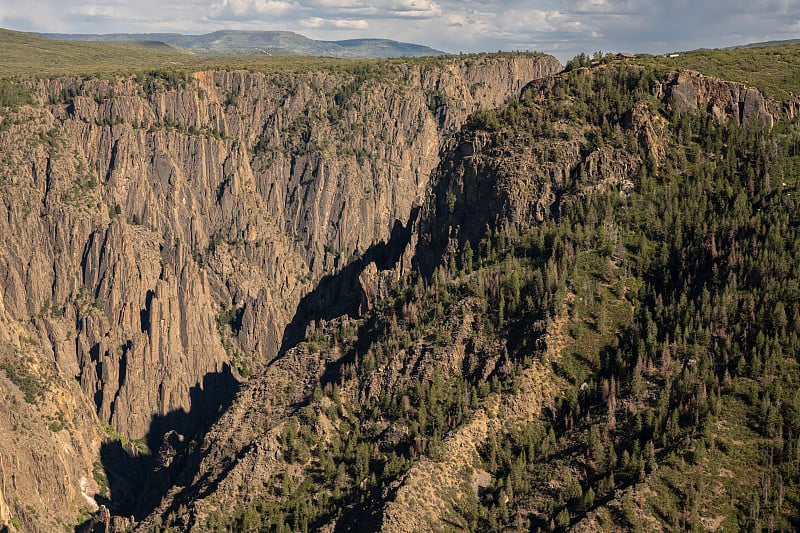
(143, 212)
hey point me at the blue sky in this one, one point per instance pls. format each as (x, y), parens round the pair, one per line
(562, 28)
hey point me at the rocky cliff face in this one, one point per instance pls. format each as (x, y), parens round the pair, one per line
(50, 439)
(691, 91)
(161, 232)
(484, 179)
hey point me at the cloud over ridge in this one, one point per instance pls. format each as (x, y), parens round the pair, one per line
(560, 27)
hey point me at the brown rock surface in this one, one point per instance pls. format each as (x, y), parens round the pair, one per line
(479, 182)
(159, 234)
(157, 231)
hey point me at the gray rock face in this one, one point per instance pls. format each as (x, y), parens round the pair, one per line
(688, 91)
(476, 182)
(159, 232)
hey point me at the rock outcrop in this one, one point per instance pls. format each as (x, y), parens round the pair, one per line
(161, 232)
(689, 92)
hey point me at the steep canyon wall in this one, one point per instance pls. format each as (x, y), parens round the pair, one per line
(160, 232)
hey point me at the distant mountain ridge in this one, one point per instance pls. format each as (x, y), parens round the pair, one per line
(231, 42)
(765, 43)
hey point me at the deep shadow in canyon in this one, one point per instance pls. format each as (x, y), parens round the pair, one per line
(137, 480)
(342, 293)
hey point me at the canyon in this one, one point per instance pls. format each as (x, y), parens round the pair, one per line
(473, 292)
(160, 235)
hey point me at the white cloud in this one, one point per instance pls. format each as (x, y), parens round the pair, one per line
(96, 10)
(339, 24)
(334, 4)
(242, 8)
(377, 9)
(415, 8)
(594, 5)
(517, 22)
(563, 26)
